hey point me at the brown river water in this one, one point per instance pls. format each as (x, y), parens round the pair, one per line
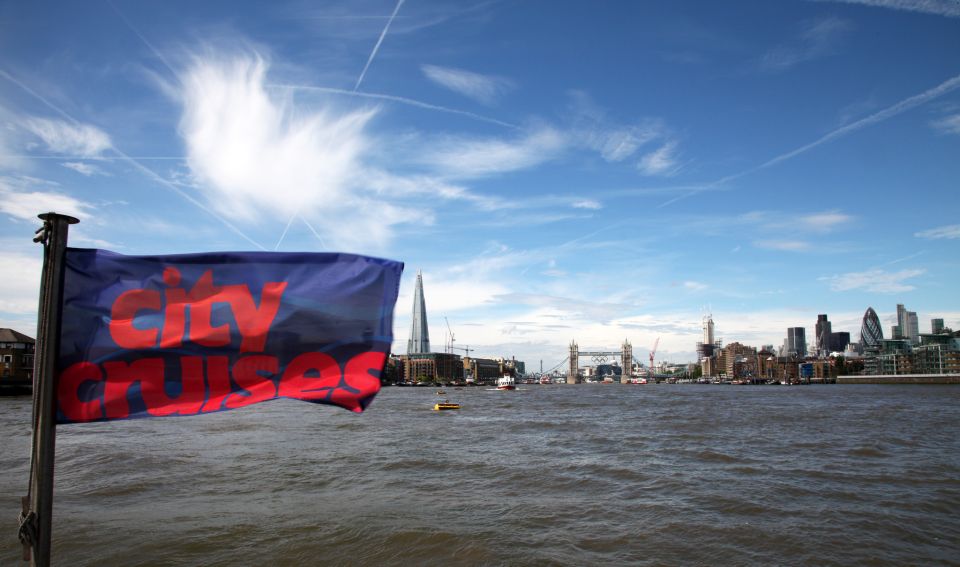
(547, 475)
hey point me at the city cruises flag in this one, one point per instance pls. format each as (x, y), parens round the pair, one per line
(197, 333)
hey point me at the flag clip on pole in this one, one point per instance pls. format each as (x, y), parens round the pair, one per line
(37, 506)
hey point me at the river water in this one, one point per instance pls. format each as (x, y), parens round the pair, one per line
(547, 475)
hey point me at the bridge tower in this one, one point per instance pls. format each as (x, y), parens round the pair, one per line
(626, 361)
(574, 363)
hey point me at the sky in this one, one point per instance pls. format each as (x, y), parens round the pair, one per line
(559, 170)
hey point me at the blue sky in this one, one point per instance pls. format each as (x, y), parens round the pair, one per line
(559, 170)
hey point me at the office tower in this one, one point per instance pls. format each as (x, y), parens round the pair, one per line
(871, 333)
(796, 341)
(912, 331)
(708, 330)
(823, 330)
(936, 326)
(839, 341)
(419, 335)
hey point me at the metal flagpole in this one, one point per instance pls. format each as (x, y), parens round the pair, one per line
(37, 513)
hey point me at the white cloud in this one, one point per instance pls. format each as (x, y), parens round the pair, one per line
(484, 89)
(948, 8)
(785, 245)
(259, 158)
(70, 139)
(84, 168)
(879, 281)
(948, 124)
(18, 200)
(471, 158)
(20, 284)
(661, 161)
(950, 231)
(825, 221)
(815, 40)
(587, 204)
(695, 286)
(615, 142)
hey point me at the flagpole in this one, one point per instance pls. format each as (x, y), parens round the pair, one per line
(37, 514)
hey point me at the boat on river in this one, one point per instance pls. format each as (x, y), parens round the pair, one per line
(445, 405)
(506, 383)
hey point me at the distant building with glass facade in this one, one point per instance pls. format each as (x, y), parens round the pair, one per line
(871, 333)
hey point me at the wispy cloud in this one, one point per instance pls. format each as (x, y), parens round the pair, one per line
(695, 286)
(376, 47)
(70, 139)
(784, 245)
(878, 281)
(950, 231)
(662, 161)
(948, 124)
(253, 154)
(19, 199)
(904, 105)
(83, 168)
(472, 158)
(587, 204)
(397, 99)
(948, 8)
(20, 282)
(614, 142)
(815, 40)
(131, 161)
(258, 158)
(825, 221)
(484, 89)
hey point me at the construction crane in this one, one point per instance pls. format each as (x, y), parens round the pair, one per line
(653, 353)
(466, 349)
(450, 332)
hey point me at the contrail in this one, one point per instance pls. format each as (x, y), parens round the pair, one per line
(315, 233)
(282, 236)
(142, 38)
(400, 99)
(143, 169)
(376, 47)
(889, 112)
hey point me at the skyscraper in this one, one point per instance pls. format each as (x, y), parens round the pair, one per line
(419, 334)
(708, 330)
(871, 333)
(936, 325)
(796, 341)
(908, 323)
(912, 331)
(823, 330)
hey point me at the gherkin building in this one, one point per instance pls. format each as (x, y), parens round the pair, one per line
(871, 333)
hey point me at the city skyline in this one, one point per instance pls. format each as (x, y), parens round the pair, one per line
(558, 171)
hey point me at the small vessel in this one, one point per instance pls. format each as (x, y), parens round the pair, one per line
(441, 393)
(506, 383)
(445, 405)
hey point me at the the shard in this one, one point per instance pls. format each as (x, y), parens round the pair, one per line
(419, 335)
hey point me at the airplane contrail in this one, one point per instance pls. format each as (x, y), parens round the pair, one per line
(142, 168)
(376, 47)
(879, 116)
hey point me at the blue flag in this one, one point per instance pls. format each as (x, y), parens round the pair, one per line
(195, 333)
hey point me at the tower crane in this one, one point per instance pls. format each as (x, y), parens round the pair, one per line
(450, 332)
(653, 353)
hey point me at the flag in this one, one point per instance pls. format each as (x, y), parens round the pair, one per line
(189, 334)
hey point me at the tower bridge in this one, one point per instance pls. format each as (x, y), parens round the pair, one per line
(599, 357)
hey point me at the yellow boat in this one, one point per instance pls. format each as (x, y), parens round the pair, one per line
(439, 406)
